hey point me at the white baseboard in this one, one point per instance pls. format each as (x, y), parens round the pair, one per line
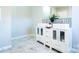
(18, 37)
(5, 47)
(23, 36)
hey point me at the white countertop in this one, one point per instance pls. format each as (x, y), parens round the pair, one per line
(59, 26)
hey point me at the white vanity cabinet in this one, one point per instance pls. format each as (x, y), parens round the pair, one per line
(39, 34)
(61, 40)
(64, 40)
(57, 37)
(43, 34)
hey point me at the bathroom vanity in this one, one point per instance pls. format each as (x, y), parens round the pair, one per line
(57, 36)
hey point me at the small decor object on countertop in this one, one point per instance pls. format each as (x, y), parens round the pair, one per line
(49, 26)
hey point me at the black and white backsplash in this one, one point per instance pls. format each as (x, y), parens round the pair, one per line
(60, 21)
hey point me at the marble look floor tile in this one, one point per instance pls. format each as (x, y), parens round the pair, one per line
(27, 45)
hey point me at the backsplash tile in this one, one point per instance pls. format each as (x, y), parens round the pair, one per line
(64, 21)
(60, 21)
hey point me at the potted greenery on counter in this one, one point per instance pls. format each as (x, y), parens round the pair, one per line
(53, 17)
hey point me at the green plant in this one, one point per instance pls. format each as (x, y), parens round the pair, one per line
(53, 17)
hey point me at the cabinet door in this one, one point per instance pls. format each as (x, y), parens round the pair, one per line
(55, 38)
(37, 33)
(63, 40)
(41, 34)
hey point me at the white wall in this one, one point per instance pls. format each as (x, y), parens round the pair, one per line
(46, 12)
(75, 27)
(52, 10)
(5, 28)
(62, 11)
(21, 20)
(22, 11)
